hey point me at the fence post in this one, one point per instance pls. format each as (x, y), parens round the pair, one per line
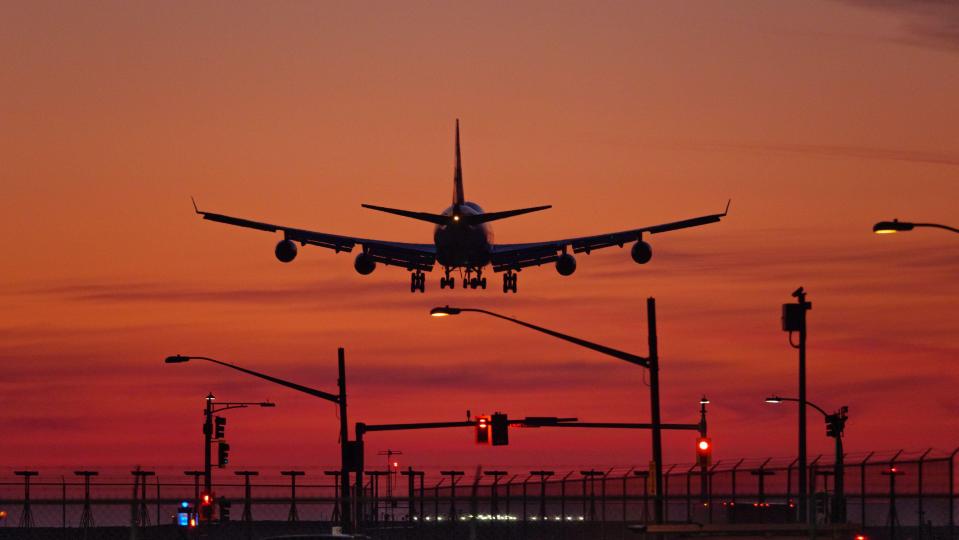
(625, 487)
(952, 494)
(862, 489)
(919, 501)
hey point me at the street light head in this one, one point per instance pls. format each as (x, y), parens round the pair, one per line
(444, 311)
(704, 400)
(890, 227)
(177, 359)
(774, 400)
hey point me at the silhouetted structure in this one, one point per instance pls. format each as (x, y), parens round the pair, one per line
(26, 515)
(140, 517)
(293, 515)
(247, 494)
(335, 515)
(86, 516)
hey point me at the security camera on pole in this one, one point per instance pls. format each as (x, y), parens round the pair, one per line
(794, 320)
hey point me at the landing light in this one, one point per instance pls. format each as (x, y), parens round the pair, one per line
(456, 218)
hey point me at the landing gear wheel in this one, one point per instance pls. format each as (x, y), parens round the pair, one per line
(417, 282)
(509, 282)
(442, 282)
(482, 283)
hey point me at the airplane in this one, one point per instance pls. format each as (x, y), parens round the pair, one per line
(462, 239)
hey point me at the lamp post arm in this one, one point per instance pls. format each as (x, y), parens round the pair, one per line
(810, 403)
(938, 226)
(298, 387)
(609, 351)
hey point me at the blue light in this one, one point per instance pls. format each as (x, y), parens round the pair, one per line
(183, 519)
(185, 504)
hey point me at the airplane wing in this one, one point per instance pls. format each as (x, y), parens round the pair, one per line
(409, 256)
(515, 256)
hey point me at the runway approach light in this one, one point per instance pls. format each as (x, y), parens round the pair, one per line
(441, 312)
(890, 227)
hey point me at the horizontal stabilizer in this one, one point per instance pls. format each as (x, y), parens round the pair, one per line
(422, 216)
(493, 216)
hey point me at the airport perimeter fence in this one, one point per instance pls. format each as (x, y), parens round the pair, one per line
(919, 500)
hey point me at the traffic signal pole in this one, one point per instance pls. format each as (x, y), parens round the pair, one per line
(653, 366)
(207, 444)
(346, 517)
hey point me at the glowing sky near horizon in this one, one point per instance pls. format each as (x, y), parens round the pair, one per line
(817, 119)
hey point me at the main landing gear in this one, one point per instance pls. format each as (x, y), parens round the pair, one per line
(474, 282)
(447, 281)
(509, 281)
(417, 281)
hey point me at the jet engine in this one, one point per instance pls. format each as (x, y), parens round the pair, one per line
(566, 264)
(642, 252)
(286, 250)
(364, 264)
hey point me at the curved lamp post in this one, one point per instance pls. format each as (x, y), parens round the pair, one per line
(835, 424)
(339, 399)
(894, 226)
(651, 363)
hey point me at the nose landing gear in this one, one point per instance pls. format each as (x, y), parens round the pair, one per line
(509, 282)
(417, 281)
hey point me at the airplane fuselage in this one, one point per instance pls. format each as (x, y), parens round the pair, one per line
(461, 245)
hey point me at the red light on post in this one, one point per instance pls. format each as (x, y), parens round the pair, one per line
(704, 451)
(206, 499)
(482, 430)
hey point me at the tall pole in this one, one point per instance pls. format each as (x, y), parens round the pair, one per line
(207, 443)
(839, 504)
(345, 515)
(654, 407)
(803, 488)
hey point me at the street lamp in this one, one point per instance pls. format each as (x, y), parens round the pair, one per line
(835, 424)
(339, 399)
(651, 363)
(894, 226)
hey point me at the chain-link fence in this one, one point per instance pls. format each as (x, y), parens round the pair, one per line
(884, 492)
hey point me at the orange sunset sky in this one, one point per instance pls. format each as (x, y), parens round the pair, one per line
(818, 118)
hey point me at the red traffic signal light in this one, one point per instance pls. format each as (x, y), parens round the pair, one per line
(704, 451)
(482, 429)
(206, 499)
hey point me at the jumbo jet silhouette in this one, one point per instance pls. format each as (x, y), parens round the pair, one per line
(462, 240)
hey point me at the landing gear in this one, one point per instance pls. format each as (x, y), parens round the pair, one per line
(474, 282)
(509, 282)
(447, 281)
(417, 282)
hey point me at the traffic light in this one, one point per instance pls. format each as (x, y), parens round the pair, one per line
(220, 430)
(482, 430)
(835, 423)
(206, 506)
(225, 510)
(222, 454)
(704, 451)
(499, 429)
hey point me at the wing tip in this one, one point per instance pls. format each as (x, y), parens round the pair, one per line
(195, 207)
(728, 202)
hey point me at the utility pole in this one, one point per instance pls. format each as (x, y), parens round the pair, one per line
(207, 447)
(654, 407)
(794, 320)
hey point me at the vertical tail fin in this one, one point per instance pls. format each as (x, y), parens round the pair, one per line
(458, 197)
